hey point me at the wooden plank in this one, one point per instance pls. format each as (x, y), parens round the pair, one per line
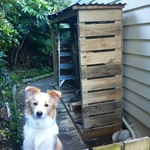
(99, 15)
(54, 48)
(100, 108)
(102, 96)
(138, 113)
(98, 84)
(101, 70)
(115, 146)
(89, 134)
(76, 107)
(101, 57)
(88, 30)
(102, 120)
(100, 43)
(137, 144)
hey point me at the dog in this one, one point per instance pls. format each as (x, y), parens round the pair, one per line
(40, 129)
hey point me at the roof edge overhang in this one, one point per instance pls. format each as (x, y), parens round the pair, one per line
(71, 11)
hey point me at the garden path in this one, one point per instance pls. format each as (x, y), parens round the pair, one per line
(68, 135)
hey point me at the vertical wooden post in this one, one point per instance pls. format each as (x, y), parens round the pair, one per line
(54, 48)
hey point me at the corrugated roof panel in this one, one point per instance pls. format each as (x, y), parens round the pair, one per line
(88, 6)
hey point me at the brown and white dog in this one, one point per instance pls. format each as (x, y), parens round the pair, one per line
(40, 130)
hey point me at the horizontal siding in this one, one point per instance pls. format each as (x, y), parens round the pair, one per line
(136, 60)
(136, 47)
(137, 87)
(137, 112)
(136, 16)
(135, 98)
(134, 4)
(140, 32)
(137, 74)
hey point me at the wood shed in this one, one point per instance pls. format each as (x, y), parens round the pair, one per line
(87, 57)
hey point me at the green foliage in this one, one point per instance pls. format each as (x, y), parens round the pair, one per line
(7, 31)
(25, 39)
(9, 129)
(18, 74)
(24, 23)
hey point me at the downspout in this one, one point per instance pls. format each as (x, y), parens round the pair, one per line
(129, 128)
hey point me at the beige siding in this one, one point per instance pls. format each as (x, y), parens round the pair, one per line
(136, 59)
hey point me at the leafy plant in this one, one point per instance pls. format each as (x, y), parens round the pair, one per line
(21, 21)
(9, 126)
(25, 39)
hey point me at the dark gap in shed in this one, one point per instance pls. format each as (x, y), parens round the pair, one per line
(97, 37)
(95, 65)
(111, 112)
(105, 50)
(100, 22)
(103, 125)
(100, 77)
(108, 101)
(101, 90)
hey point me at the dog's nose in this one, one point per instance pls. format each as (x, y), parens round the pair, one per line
(39, 113)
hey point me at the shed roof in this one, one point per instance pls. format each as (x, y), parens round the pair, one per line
(89, 6)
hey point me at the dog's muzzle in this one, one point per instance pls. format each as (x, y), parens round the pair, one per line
(39, 113)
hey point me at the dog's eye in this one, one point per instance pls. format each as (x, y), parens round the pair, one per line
(35, 103)
(46, 105)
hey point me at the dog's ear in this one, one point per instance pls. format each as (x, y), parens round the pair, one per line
(31, 90)
(54, 95)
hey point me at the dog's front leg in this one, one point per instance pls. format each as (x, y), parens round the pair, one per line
(46, 145)
(28, 144)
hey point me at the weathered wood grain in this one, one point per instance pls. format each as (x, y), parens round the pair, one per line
(101, 70)
(102, 120)
(88, 30)
(102, 96)
(115, 146)
(99, 58)
(100, 108)
(102, 15)
(94, 44)
(103, 83)
(137, 144)
(89, 134)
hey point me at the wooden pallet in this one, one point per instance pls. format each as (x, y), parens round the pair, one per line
(100, 44)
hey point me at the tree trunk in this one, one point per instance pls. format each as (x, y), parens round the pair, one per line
(17, 51)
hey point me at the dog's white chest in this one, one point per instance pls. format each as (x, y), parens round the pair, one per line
(46, 135)
(36, 136)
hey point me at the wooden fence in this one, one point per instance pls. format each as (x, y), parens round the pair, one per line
(135, 144)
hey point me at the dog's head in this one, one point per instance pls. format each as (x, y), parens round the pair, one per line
(39, 104)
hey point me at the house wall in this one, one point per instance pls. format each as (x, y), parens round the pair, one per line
(136, 64)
